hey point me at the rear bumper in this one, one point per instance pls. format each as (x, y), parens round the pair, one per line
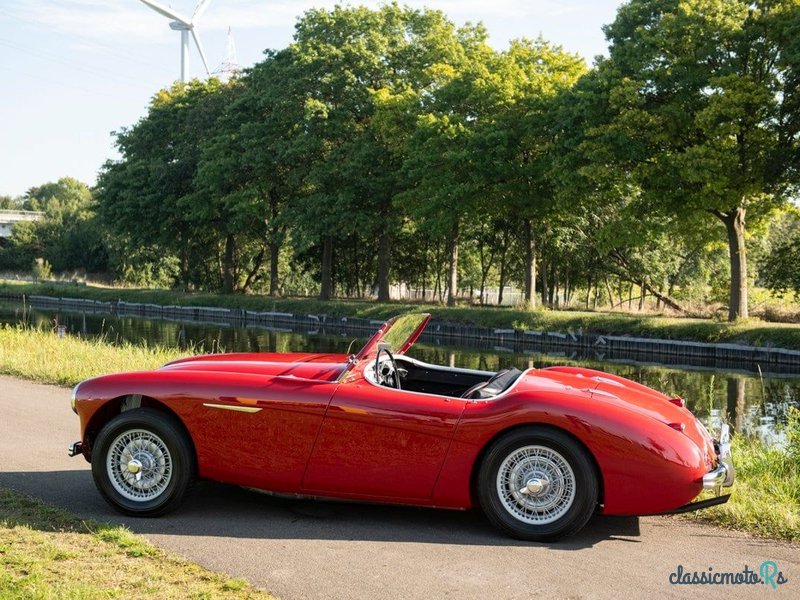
(724, 474)
(718, 477)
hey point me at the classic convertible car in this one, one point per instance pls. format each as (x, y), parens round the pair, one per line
(538, 450)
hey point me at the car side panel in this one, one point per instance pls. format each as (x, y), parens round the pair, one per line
(268, 448)
(645, 465)
(379, 442)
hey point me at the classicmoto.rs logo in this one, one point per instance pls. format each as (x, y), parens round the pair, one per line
(767, 574)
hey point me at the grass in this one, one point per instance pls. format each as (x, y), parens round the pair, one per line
(751, 331)
(42, 356)
(766, 495)
(48, 553)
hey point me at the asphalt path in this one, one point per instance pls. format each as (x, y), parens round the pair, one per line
(304, 549)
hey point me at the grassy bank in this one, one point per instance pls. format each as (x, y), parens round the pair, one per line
(752, 331)
(48, 553)
(766, 495)
(44, 357)
(766, 498)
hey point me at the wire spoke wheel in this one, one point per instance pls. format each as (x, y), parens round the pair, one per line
(536, 484)
(143, 462)
(139, 465)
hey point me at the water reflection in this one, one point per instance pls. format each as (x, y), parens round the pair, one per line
(751, 404)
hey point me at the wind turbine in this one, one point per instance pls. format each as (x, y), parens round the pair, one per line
(185, 26)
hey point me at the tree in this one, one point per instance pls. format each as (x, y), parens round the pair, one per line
(149, 197)
(10, 203)
(69, 236)
(699, 91)
(358, 66)
(779, 267)
(518, 143)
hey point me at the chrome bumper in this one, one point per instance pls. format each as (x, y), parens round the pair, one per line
(74, 449)
(725, 473)
(714, 479)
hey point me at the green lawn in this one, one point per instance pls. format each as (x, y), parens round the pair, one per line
(751, 331)
(43, 356)
(47, 553)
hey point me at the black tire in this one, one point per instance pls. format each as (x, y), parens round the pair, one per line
(160, 445)
(539, 455)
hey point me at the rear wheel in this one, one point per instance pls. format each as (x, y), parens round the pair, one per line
(537, 484)
(143, 462)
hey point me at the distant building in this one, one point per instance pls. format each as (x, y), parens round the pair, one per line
(8, 218)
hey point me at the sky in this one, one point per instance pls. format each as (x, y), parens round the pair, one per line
(74, 71)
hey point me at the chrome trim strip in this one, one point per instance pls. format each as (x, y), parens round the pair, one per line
(244, 409)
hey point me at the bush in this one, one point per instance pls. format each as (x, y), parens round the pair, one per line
(42, 269)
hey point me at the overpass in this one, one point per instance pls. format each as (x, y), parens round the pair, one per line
(9, 217)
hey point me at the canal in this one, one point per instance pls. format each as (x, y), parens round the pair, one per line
(752, 402)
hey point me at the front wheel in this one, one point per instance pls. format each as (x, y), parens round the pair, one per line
(537, 484)
(143, 463)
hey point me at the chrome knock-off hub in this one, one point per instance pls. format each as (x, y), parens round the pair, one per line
(534, 487)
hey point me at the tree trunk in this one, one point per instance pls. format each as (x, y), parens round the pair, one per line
(610, 294)
(184, 263)
(227, 265)
(543, 270)
(274, 254)
(452, 274)
(589, 294)
(275, 238)
(326, 286)
(734, 223)
(253, 274)
(502, 280)
(384, 257)
(642, 296)
(736, 402)
(529, 241)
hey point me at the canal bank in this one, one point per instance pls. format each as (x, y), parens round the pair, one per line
(569, 342)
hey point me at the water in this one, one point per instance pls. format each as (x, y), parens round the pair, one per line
(752, 404)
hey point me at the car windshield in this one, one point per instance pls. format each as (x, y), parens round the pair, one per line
(400, 333)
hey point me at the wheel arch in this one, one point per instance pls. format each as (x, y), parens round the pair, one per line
(476, 466)
(120, 404)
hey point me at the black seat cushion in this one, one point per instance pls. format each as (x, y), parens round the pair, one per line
(499, 383)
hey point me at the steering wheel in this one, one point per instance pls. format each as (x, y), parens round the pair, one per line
(389, 375)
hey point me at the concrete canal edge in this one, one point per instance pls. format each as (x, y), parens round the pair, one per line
(753, 358)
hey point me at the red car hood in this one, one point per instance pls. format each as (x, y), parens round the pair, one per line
(324, 367)
(612, 389)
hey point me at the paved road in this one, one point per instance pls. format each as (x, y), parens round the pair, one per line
(302, 549)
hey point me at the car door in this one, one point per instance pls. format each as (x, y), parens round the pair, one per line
(378, 442)
(260, 436)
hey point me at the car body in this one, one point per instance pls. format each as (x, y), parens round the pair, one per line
(539, 450)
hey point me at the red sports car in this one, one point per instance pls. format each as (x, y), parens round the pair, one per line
(538, 450)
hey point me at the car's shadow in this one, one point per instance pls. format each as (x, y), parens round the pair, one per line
(227, 511)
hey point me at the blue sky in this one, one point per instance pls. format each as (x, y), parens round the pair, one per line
(73, 71)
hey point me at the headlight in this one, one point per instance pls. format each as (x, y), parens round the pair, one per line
(74, 397)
